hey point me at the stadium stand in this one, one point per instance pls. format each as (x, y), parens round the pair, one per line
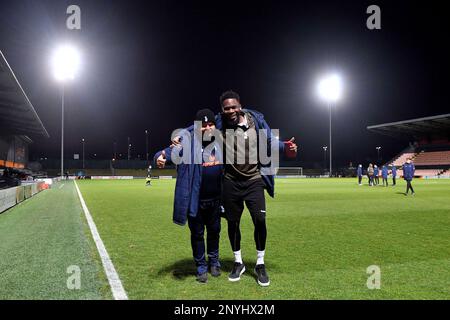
(18, 122)
(430, 152)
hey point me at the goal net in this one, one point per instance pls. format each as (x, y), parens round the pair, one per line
(290, 171)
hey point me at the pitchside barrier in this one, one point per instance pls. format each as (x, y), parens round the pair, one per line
(15, 195)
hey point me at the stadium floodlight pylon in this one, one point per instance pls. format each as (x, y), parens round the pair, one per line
(65, 62)
(330, 90)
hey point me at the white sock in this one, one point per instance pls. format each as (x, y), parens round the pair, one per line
(237, 256)
(260, 256)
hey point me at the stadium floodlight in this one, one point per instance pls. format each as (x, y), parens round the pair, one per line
(330, 90)
(65, 64)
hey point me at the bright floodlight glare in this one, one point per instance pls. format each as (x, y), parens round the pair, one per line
(66, 62)
(330, 88)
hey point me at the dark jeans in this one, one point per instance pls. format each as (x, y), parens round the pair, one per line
(208, 216)
(409, 186)
(385, 180)
(359, 179)
(235, 193)
(393, 181)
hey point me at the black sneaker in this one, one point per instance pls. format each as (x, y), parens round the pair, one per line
(215, 271)
(263, 278)
(202, 278)
(238, 270)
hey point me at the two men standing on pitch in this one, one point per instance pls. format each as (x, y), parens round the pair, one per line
(246, 176)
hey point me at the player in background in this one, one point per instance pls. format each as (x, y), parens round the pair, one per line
(394, 175)
(408, 175)
(376, 176)
(384, 175)
(359, 173)
(148, 180)
(370, 172)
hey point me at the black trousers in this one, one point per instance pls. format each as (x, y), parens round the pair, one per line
(234, 194)
(393, 181)
(359, 179)
(208, 216)
(385, 180)
(409, 186)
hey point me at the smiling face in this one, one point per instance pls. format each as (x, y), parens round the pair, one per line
(208, 127)
(231, 109)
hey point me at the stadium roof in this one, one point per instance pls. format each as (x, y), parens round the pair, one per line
(416, 128)
(17, 115)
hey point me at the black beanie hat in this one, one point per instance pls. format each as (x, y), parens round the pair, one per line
(205, 116)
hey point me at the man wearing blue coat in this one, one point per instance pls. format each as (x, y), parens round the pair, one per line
(394, 175)
(408, 175)
(245, 182)
(198, 199)
(376, 176)
(359, 173)
(384, 175)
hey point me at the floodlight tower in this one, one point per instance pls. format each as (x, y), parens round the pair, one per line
(65, 64)
(330, 90)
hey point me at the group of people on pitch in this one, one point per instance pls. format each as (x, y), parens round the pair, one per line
(373, 174)
(208, 189)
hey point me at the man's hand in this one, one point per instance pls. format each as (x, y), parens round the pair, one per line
(292, 145)
(176, 141)
(290, 148)
(161, 161)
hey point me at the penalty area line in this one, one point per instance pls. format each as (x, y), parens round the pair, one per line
(113, 278)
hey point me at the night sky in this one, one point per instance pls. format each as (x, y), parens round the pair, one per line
(152, 65)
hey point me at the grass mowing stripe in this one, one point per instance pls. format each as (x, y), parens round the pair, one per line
(39, 240)
(113, 278)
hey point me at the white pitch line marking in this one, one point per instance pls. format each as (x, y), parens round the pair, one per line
(113, 278)
(61, 186)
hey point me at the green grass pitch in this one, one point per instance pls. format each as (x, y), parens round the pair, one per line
(323, 234)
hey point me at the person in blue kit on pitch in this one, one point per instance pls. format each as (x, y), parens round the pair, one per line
(376, 178)
(408, 175)
(198, 200)
(394, 175)
(359, 173)
(384, 175)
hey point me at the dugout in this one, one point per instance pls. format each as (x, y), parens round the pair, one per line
(19, 123)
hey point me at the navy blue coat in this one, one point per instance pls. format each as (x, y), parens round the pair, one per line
(384, 172)
(408, 171)
(394, 171)
(359, 172)
(189, 176)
